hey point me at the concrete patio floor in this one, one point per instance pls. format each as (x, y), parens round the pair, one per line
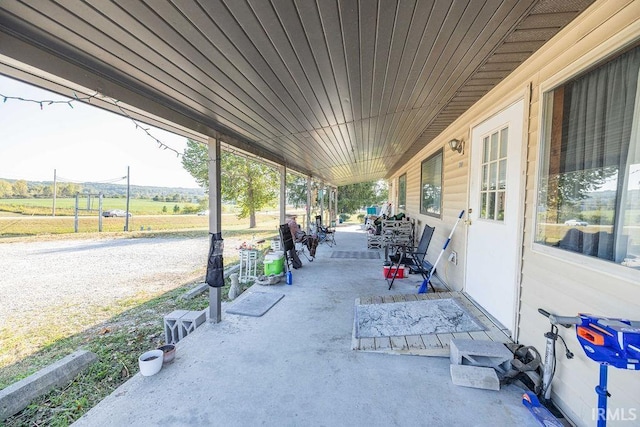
(294, 366)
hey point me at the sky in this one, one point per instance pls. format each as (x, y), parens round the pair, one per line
(83, 143)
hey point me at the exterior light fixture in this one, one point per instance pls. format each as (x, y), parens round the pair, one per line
(456, 145)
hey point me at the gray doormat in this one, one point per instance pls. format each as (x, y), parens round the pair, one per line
(254, 304)
(355, 255)
(439, 316)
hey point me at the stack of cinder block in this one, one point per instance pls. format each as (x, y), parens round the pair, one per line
(476, 363)
(180, 323)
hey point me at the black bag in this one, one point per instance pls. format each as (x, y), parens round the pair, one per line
(312, 244)
(295, 260)
(215, 263)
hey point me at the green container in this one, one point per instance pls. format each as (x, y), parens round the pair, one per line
(273, 264)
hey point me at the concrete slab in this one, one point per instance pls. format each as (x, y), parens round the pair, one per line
(19, 395)
(295, 367)
(253, 303)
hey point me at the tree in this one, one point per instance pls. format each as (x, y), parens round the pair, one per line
(195, 160)
(564, 192)
(47, 191)
(296, 190)
(248, 183)
(353, 197)
(69, 189)
(20, 188)
(6, 189)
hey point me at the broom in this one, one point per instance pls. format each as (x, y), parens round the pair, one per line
(423, 287)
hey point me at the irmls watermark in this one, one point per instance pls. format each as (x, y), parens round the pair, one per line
(617, 414)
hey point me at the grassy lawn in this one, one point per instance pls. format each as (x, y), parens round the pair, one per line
(117, 343)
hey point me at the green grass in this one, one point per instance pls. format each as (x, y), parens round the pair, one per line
(117, 343)
(39, 225)
(66, 206)
(14, 226)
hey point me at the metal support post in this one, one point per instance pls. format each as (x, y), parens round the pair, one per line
(215, 221)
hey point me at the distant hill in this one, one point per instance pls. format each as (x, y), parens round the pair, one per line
(45, 189)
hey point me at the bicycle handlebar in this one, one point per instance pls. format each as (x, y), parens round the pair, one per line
(566, 321)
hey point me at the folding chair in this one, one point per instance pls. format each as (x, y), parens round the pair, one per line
(325, 234)
(293, 248)
(413, 256)
(305, 243)
(288, 246)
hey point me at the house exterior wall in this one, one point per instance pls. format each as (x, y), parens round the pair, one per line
(558, 281)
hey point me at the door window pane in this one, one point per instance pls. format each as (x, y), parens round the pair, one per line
(494, 175)
(502, 174)
(504, 139)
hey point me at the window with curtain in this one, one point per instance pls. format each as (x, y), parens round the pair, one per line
(431, 185)
(402, 193)
(589, 189)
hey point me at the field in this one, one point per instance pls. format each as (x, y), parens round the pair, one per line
(65, 206)
(32, 217)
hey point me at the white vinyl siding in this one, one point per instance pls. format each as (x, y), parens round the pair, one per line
(559, 284)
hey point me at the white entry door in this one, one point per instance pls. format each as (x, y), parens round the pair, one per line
(495, 214)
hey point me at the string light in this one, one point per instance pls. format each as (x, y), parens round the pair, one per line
(116, 103)
(51, 102)
(88, 99)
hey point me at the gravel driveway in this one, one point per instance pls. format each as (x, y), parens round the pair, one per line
(40, 277)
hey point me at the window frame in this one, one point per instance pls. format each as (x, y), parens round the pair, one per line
(423, 164)
(598, 58)
(402, 191)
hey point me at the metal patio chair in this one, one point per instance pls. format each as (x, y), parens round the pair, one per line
(412, 257)
(325, 234)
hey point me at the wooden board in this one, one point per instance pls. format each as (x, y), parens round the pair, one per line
(432, 344)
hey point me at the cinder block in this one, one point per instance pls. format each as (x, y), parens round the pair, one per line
(475, 376)
(480, 353)
(172, 326)
(190, 321)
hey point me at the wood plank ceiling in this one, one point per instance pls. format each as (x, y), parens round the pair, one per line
(344, 90)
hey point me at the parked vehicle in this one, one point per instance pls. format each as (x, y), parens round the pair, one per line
(204, 213)
(115, 212)
(576, 222)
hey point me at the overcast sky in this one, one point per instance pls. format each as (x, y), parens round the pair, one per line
(83, 143)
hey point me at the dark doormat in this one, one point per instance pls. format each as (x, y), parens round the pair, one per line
(355, 255)
(254, 304)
